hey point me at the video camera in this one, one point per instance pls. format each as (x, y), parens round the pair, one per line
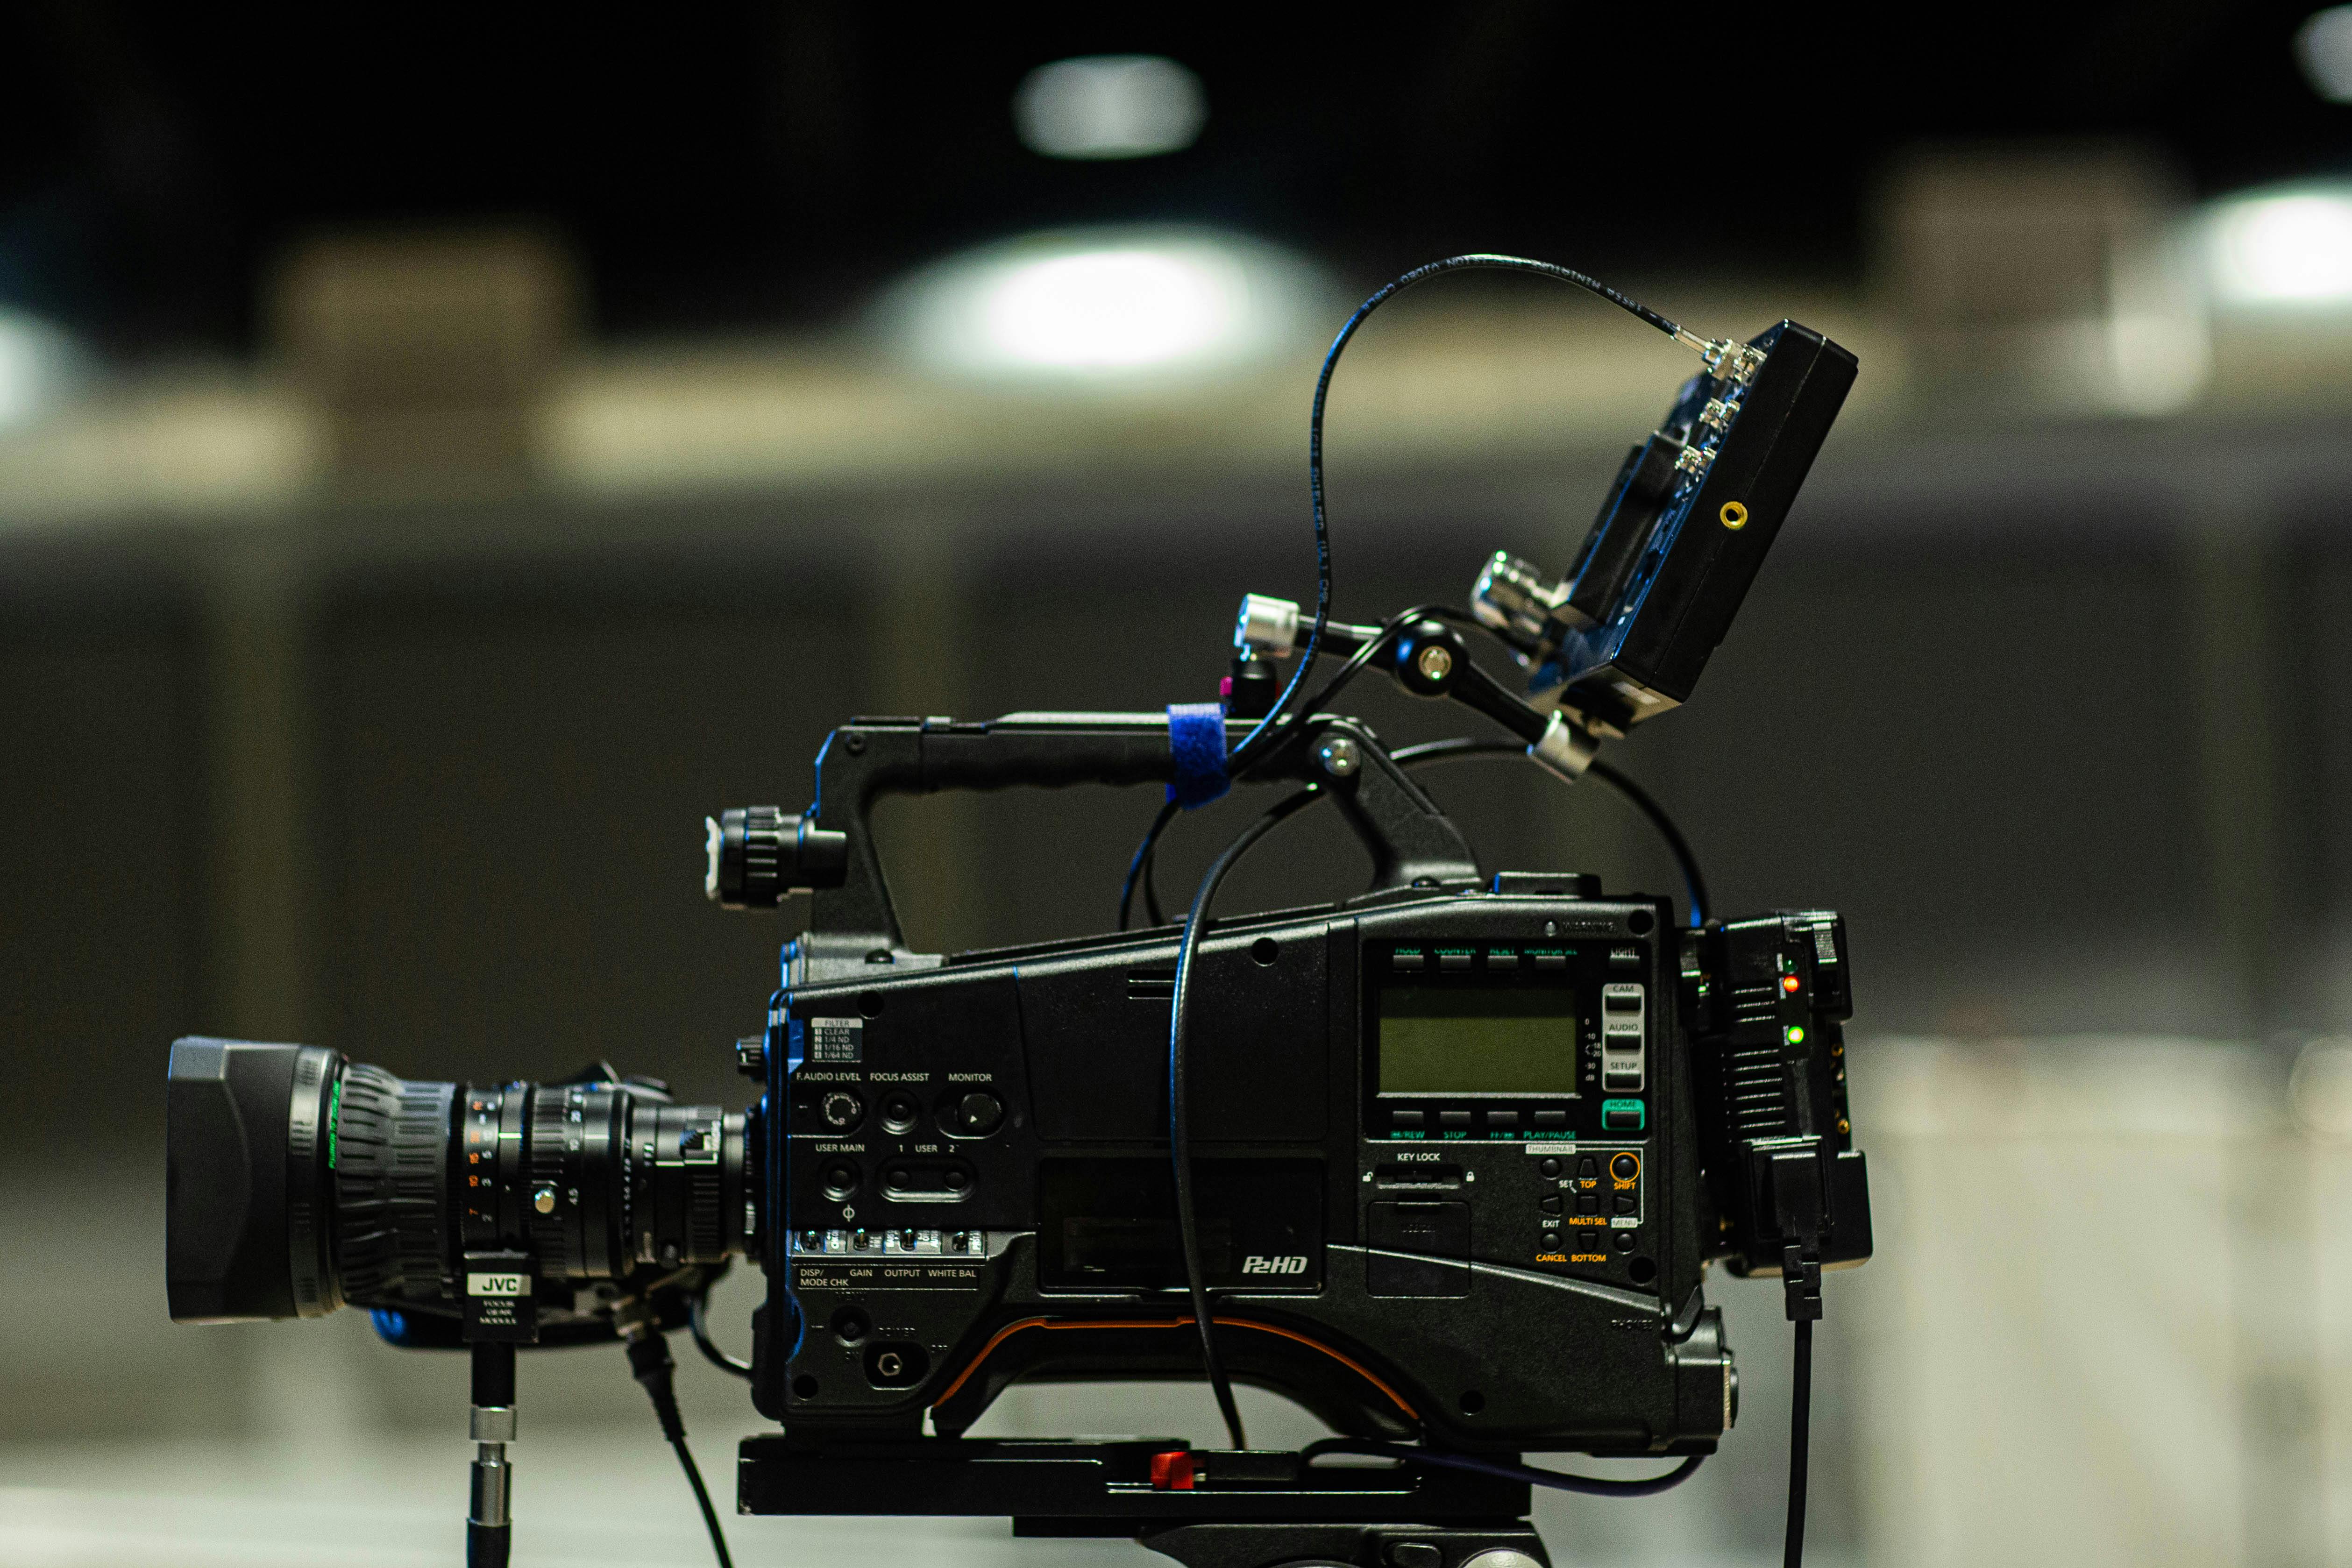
(1444, 1163)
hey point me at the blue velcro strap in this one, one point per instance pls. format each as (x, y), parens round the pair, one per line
(1196, 738)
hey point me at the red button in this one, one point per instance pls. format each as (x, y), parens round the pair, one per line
(1172, 1470)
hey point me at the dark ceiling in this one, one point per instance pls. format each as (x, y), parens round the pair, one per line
(737, 166)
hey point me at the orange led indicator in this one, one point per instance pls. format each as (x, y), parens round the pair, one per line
(1789, 982)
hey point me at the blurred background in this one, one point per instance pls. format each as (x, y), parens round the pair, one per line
(441, 458)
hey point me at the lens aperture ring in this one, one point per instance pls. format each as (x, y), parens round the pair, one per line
(571, 1180)
(550, 1187)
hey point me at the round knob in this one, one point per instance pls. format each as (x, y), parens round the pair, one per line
(980, 1113)
(1623, 1167)
(744, 849)
(754, 855)
(841, 1110)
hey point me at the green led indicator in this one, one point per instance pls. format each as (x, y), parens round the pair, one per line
(1796, 1034)
(334, 1119)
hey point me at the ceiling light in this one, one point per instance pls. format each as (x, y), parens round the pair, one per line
(1106, 305)
(2322, 46)
(2288, 245)
(1110, 106)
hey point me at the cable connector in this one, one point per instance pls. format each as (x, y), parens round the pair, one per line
(1800, 1214)
(1800, 1283)
(1729, 360)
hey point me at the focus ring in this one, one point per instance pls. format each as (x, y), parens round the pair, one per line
(392, 1172)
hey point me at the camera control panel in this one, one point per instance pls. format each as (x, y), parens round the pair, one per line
(1508, 1087)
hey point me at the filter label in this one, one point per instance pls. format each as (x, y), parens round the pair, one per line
(837, 1041)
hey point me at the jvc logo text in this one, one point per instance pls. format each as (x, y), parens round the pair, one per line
(1256, 1264)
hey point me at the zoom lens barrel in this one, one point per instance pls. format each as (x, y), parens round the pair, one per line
(300, 1181)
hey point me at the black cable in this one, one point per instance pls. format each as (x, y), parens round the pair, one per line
(1589, 1486)
(1138, 870)
(703, 1500)
(1246, 753)
(650, 1364)
(698, 1320)
(1694, 884)
(1686, 862)
(1254, 742)
(1179, 1132)
(1801, 1393)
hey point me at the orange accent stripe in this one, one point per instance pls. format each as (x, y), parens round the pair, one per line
(1009, 1330)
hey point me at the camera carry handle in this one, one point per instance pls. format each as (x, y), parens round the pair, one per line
(830, 852)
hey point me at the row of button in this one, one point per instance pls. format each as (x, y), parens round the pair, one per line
(1625, 1167)
(894, 1243)
(1454, 959)
(1616, 1116)
(1586, 1203)
(1541, 959)
(1418, 1120)
(1589, 1240)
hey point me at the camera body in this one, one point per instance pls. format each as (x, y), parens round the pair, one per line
(1464, 1147)
(1452, 1160)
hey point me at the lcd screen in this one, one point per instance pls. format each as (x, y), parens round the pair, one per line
(1458, 1040)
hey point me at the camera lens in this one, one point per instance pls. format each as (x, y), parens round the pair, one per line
(299, 1181)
